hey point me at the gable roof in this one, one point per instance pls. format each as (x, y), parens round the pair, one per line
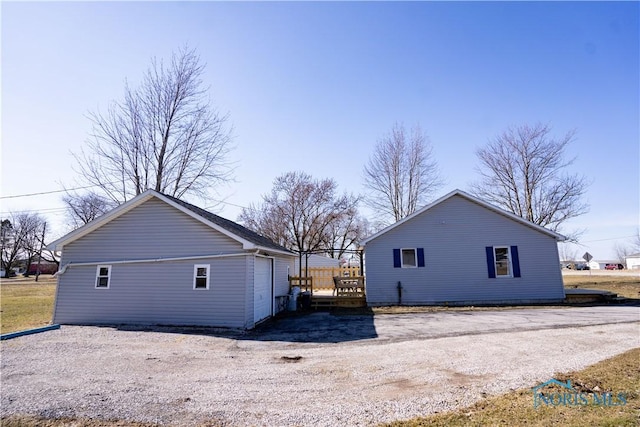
(250, 239)
(460, 193)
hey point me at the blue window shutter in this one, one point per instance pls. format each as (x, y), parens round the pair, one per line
(420, 257)
(396, 258)
(515, 261)
(491, 264)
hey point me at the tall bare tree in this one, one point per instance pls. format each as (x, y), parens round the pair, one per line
(523, 170)
(163, 135)
(304, 214)
(84, 208)
(401, 173)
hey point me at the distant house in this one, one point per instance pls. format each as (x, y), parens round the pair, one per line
(45, 267)
(633, 261)
(462, 250)
(159, 260)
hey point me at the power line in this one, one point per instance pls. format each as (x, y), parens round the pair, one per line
(611, 238)
(47, 211)
(46, 192)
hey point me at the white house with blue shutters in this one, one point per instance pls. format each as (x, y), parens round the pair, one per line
(462, 250)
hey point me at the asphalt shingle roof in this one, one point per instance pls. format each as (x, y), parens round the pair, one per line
(233, 227)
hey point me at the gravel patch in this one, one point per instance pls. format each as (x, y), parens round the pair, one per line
(410, 365)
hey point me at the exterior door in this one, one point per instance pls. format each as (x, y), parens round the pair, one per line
(263, 289)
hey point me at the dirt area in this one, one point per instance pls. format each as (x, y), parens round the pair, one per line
(312, 370)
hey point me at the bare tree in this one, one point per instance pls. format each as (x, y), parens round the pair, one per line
(304, 214)
(621, 252)
(345, 233)
(567, 251)
(21, 236)
(84, 208)
(635, 243)
(523, 171)
(624, 250)
(162, 135)
(401, 174)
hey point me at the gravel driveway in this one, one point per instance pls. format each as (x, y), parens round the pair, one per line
(318, 369)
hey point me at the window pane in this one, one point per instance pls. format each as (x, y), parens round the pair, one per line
(408, 257)
(104, 271)
(103, 282)
(201, 272)
(502, 261)
(201, 282)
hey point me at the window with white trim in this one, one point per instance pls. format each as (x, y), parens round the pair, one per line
(409, 258)
(103, 276)
(502, 257)
(201, 276)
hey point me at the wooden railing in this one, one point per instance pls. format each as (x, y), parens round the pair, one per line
(304, 283)
(345, 286)
(323, 276)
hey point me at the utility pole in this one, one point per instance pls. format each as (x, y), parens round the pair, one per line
(44, 228)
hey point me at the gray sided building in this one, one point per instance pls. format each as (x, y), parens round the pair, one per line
(461, 250)
(161, 261)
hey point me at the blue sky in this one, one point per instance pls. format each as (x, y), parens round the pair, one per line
(312, 86)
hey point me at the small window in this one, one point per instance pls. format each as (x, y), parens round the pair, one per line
(103, 276)
(201, 276)
(502, 258)
(409, 258)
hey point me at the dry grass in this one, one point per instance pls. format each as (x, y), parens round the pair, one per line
(620, 374)
(25, 303)
(624, 286)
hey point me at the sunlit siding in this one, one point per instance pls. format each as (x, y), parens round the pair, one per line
(151, 230)
(454, 235)
(157, 293)
(280, 282)
(283, 267)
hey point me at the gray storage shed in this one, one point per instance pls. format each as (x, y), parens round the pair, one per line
(159, 260)
(462, 250)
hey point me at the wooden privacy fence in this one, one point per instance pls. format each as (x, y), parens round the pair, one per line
(323, 276)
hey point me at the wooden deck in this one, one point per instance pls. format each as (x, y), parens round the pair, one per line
(345, 292)
(330, 301)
